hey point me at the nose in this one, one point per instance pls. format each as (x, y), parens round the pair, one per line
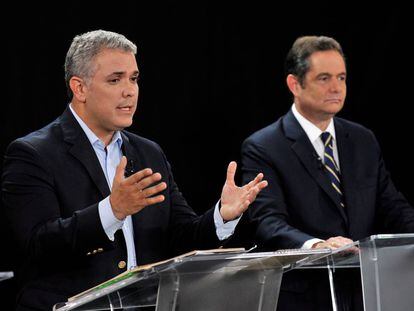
(336, 86)
(130, 90)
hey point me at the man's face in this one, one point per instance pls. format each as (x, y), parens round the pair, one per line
(324, 89)
(111, 94)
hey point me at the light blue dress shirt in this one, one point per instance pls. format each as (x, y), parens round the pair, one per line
(109, 159)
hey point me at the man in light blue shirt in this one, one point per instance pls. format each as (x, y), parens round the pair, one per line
(109, 157)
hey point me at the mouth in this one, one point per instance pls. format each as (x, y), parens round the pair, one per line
(126, 108)
(334, 100)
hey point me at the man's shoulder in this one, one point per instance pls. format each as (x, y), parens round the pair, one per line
(45, 137)
(352, 127)
(266, 134)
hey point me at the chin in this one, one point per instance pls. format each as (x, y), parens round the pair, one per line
(335, 108)
(122, 125)
(126, 125)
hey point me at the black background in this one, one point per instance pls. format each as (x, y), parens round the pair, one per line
(211, 74)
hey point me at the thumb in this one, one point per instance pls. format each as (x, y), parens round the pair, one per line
(231, 171)
(120, 171)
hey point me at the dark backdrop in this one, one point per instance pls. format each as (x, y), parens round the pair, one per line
(211, 74)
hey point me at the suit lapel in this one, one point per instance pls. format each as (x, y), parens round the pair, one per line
(306, 153)
(134, 163)
(346, 152)
(82, 150)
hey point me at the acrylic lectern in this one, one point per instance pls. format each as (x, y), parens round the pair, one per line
(386, 263)
(202, 280)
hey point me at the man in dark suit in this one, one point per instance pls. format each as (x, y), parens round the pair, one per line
(87, 200)
(328, 185)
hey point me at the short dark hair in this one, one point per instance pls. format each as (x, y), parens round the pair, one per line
(297, 60)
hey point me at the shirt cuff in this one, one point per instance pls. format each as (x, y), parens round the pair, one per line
(223, 230)
(110, 223)
(309, 243)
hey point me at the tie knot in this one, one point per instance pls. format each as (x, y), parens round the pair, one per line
(326, 138)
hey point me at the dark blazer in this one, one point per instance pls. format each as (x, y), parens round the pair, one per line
(51, 185)
(299, 203)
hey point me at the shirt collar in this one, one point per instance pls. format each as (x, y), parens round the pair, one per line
(311, 130)
(93, 139)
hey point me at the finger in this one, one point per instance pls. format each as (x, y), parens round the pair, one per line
(147, 181)
(231, 171)
(342, 240)
(253, 193)
(256, 189)
(154, 190)
(133, 179)
(321, 245)
(154, 200)
(254, 182)
(120, 170)
(338, 242)
(347, 241)
(261, 185)
(334, 244)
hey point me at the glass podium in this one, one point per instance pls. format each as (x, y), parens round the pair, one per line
(386, 263)
(216, 280)
(239, 280)
(387, 271)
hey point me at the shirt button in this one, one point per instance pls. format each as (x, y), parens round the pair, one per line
(121, 264)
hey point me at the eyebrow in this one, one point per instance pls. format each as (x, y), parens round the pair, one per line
(329, 74)
(120, 73)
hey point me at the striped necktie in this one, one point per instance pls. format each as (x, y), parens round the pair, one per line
(331, 166)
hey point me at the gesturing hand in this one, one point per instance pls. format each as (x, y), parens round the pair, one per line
(235, 200)
(132, 194)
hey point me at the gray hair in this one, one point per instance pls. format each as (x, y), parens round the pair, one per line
(86, 46)
(297, 60)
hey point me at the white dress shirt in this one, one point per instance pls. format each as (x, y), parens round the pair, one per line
(314, 135)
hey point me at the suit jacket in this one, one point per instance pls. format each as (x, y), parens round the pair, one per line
(51, 185)
(299, 202)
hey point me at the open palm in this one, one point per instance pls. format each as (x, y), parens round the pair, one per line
(235, 200)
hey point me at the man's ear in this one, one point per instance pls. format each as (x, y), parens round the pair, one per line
(293, 84)
(78, 87)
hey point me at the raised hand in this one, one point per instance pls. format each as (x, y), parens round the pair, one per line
(132, 194)
(235, 200)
